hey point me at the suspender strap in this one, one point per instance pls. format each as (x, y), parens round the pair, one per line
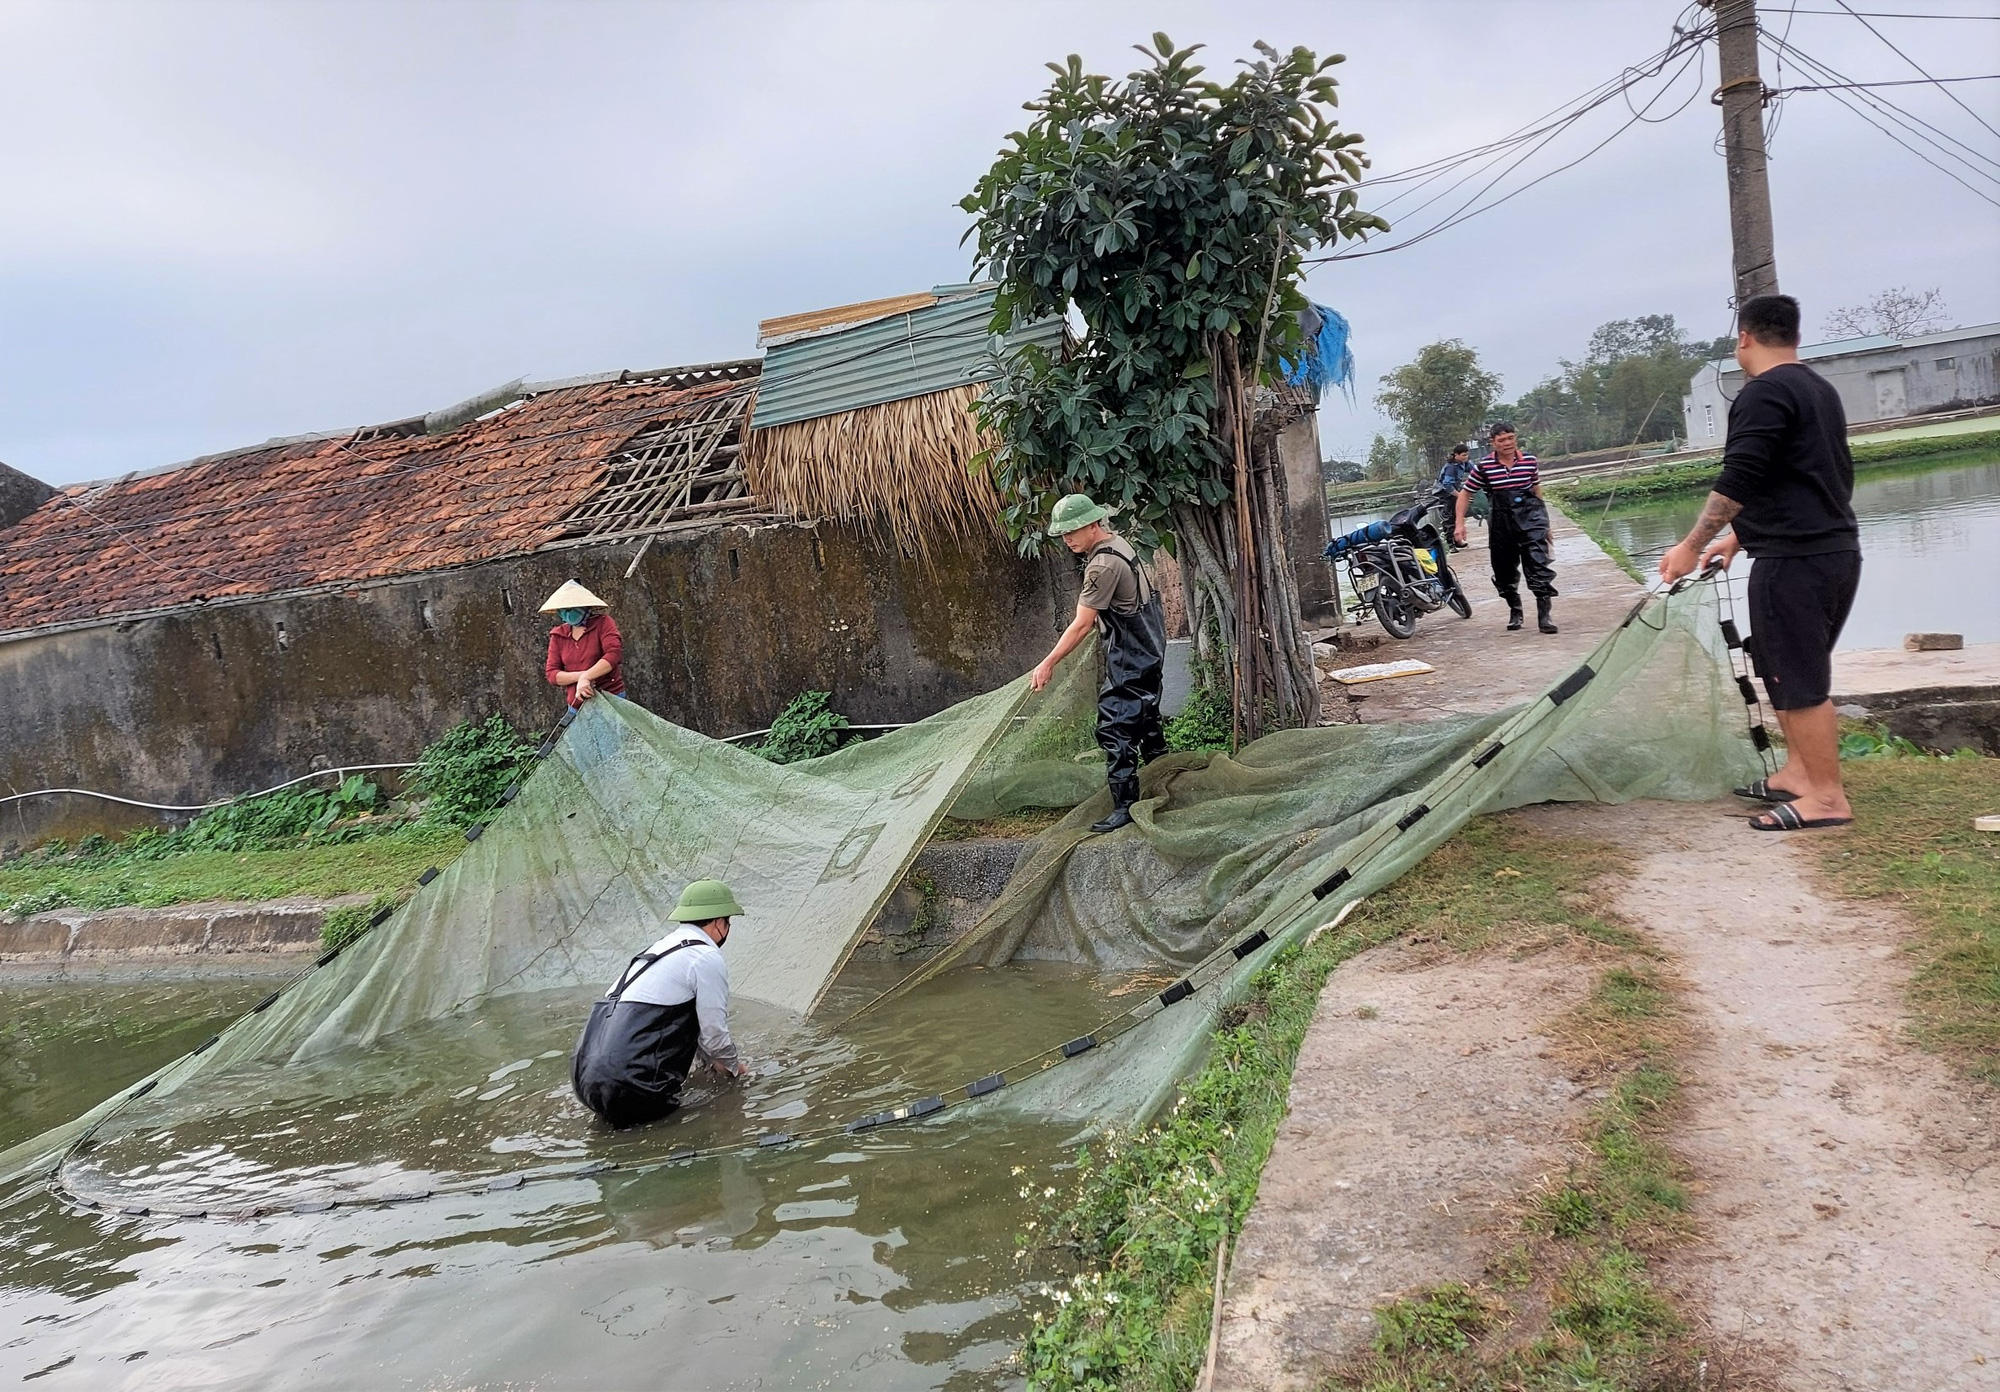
(1105, 548)
(630, 976)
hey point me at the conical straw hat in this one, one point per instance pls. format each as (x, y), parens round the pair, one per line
(570, 595)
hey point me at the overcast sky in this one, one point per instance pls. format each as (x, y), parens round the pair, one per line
(221, 222)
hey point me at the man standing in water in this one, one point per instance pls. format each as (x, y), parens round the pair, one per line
(1120, 603)
(1517, 535)
(669, 1006)
(1786, 489)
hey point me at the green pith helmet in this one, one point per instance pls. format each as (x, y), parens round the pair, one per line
(1074, 511)
(703, 900)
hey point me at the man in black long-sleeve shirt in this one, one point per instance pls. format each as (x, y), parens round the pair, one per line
(1786, 485)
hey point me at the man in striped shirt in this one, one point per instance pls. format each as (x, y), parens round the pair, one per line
(1517, 537)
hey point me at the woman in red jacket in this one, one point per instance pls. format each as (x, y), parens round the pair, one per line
(585, 651)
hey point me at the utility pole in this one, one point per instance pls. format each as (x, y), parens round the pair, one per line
(1741, 97)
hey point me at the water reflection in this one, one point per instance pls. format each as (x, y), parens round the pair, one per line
(1930, 541)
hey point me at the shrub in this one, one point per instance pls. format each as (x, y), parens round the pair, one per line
(805, 729)
(464, 774)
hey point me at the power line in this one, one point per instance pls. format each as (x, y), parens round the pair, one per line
(1942, 140)
(1530, 140)
(1868, 106)
(1937, 81)
(1899, 82)
(1843, 12)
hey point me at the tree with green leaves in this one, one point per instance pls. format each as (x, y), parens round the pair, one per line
(1173, 212)
(1626, 391)
(1385, 458)
(1439, 400)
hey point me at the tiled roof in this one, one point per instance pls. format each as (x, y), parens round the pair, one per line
(361, 505)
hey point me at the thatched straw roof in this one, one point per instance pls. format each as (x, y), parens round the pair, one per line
(904, 468)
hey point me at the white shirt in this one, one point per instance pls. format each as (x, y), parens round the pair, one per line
(695, 974)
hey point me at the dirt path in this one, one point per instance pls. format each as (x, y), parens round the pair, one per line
(1849, 1185)
(1423, 1105)
(1846, 1186)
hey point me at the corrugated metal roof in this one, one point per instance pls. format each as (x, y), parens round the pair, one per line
(947, 344)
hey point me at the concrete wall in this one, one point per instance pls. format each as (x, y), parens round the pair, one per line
(1938, 372)
(721, 629)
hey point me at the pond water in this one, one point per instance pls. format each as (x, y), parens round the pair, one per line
(883, 1260)
(1930, 545)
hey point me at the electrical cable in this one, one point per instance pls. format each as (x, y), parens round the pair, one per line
(1472, 208)
(1898, 82)
(1939, 82)
(340, 772)
(1855, 104)
(1535, 137)
(1940, 140)
(1843, 12)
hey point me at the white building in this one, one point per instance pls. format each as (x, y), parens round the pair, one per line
(1878, 378)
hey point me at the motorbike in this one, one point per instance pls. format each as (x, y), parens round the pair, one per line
(1398, 569)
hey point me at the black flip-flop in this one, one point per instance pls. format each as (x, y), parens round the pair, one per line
(1785, 817)
(1762, 791)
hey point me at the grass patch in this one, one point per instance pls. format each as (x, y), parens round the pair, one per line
(315, 842)
(1569, 1301)
(1921, 854)
(1129, 1251)
(374, 866)
(348, 922)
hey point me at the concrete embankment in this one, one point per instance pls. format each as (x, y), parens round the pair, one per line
(193, 934)
(1941, 700)
(947, 889)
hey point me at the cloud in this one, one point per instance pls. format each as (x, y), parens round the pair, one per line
(231, 221)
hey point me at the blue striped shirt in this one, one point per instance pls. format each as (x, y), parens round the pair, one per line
(1488, 473)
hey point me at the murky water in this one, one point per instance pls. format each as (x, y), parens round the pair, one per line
(1930, 543)
(880, 1260)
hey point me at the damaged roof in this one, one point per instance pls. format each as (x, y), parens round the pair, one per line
(368, 504)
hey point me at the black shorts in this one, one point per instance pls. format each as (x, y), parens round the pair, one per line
(1798, 605)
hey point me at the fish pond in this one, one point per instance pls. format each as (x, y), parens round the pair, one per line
(1930, 545)
(884, 1259)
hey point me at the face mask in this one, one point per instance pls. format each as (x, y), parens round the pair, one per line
(570, 616)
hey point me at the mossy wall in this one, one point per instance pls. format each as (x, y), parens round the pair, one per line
(721, 628)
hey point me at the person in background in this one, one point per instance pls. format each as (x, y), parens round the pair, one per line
(585, 652)
(1517, 536)
(1451, 478)
(668, 1011)
(1444, 496)
(1120, 603)
(1786, 491)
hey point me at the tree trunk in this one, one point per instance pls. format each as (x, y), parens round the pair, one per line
(1245, 595)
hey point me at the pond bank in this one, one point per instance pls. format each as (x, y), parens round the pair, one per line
(272, 927)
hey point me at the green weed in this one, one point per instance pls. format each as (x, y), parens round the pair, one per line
(463, 776)
(1921, 854)
(1443, 1319)
(806, 728)
(348, 922)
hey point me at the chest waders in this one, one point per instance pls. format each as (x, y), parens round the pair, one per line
(1517, 541)
(1128, 704)
(633, 1056)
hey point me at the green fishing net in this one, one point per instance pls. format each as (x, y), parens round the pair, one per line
(432, 1054)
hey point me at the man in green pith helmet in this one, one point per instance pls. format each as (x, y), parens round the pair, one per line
(668, 1008)
(1118, 601)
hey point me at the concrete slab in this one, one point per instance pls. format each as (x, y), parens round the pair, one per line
(209, 929)
(1879, 671)
(1481, 666)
